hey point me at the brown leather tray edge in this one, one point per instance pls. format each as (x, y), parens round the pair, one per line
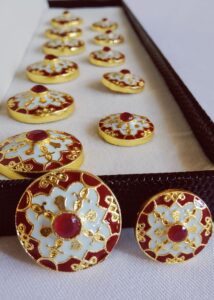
(132, 190)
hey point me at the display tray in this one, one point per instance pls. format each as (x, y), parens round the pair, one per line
(182, 150)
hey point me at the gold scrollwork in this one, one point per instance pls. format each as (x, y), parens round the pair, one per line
(208, 226)
(113, 208)
(24, 237)
(175, 260)
(140, 232)
(84, 264)
(174, 196)
(20, 166)
(80, 197)
(54, 250)
(52, 178)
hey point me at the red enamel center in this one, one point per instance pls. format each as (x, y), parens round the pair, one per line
(125, 71)
(177, 233)
(108, 31)
(50, 57)
(126, 117)
(66, 12)
(39, 89)
(104, 19)
(37, 135)
(106, 49)
(67, 225)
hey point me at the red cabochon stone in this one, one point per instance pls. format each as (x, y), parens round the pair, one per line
(67, 225)
(177, 233)
(37, 135)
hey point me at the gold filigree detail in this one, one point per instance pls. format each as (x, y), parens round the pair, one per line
(95, 236)
(84, 264)
(20, 166)
(24, 237)
(176, 215)
(208, 226)
(190, 214)
(91, 215)
(80, 197)
(113, 208)
(29, 197)
(160, 232)
(74, 153)
(140, 232)
(54, 250)
(160, 247)
(174, 196)
(190, 243)
(76, 245)
(175, 260)
(52, 178)
(160, 217)
(46, 153)
(39, 209)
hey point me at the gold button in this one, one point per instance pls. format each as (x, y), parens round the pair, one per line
(173, 226)
(40, 105)
(68, 220)
(126, 129)
(106, 57)
(123, 82)
(52, 70)
(33, 153)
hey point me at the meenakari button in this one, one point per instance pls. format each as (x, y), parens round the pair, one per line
(68, 220)
(40, 105)
(125, 129)
(103, 25)
(66, 47)
(108, 38)
(66, 19)
(31, 154)
(123, 82)
(106, 57)
(52, 70)
(63, 33)
(173, 226)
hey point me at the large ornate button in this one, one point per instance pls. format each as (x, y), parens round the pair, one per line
(40, 105)
(33, 153)
(52, 70)
(173, 226)
(108, 38)
(66, 20)
(63, 33)
(103, 25)
(123, 82)
(64, 47)
(68, 220)
(125, 129)
(106, 57)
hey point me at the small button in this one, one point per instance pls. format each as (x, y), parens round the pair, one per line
(173, 226)
(52, 70)
(126, 129)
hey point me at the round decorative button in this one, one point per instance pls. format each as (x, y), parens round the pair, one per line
(123, 82)
(108, 38)
(106, 57)
(40, 105)
(103, 25)
(63, 33)
(52, 70)
(126, 129)
(173, 226)
(68, 220)
(64, 47)
(33, 153)
(66, 20)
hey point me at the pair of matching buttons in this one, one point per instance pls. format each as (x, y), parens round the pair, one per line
(70, 220)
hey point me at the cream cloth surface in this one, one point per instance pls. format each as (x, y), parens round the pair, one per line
(127, 273)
